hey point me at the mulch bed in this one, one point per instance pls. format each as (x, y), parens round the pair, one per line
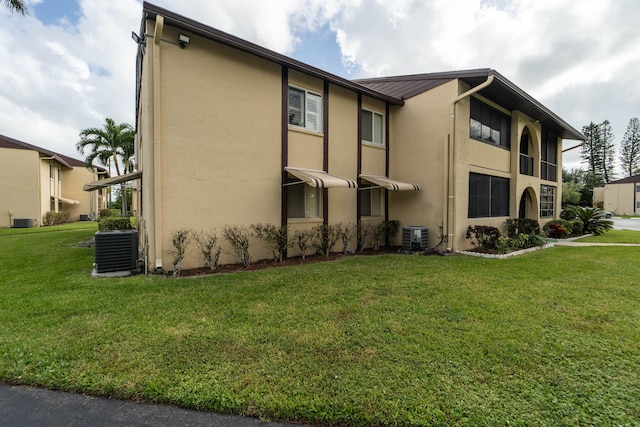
(267, 263)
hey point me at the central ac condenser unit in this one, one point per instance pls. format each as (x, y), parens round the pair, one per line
(414, 239)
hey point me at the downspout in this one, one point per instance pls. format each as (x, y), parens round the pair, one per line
(157, 148)
(450, 216)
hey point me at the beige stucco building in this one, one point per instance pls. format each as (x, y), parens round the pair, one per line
(231, 133)
(34, 181)
(622, 197)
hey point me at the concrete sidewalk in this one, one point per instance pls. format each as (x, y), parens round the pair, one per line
(577, 243)
(28, 406)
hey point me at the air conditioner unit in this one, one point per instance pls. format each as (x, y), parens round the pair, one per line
(22, 223)
(414, 239)
(116, 251)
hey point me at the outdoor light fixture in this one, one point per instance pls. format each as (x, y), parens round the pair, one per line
(184, 40)
(140, 41)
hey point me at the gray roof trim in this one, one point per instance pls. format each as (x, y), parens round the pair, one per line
(150, 11)
(502, 91)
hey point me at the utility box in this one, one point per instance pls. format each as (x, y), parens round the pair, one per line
(414, 239)
(116, 251)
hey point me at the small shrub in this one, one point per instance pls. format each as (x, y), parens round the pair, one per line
(346, 234)
(378, 233)
(303, 239)
(594, 220)
(362, 237)
(325, 238)
(275, 237)
(556, 230)
(180, 239)
(111, 223)
(391, 229)
(55, 218)
(517, 226)
(484, 236)
(107, 212)
(577, 227)
(207, 242)
(238, 237)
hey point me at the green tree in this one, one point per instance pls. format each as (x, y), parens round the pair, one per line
(16, 6)
(113, 143)
(608, 152)
(630, 148)
(598, 152)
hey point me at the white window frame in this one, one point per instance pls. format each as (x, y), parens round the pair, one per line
(310, 111)
(547, 201)
(374, 114)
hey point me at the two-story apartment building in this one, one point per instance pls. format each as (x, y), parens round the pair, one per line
(34, 181)
(231, 133)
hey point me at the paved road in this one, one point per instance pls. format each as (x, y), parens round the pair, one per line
(626, 223)
(30, 407)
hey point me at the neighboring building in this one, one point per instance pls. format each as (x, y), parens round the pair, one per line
(622, 197)
(231, 133)
(34, 181)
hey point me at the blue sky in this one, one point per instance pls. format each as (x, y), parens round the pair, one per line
(71, 63)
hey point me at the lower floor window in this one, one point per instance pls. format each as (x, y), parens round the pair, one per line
(547, 201)
(371, 200)
(303, 201)
(488, 196)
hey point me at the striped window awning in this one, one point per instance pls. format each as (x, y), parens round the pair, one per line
(390, 184)
(102, 183)
(314, 178)
(67, 201)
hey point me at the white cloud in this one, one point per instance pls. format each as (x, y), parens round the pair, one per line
(580, 59)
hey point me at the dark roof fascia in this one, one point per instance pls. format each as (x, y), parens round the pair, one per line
(628, 180)
(70, 162)
(150, 11)
(500, 91)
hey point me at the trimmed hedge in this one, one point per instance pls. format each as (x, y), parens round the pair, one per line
(111, 223)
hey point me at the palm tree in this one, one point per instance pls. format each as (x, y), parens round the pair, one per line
(16, 6)
(114, 143)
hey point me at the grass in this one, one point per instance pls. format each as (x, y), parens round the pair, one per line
(549, 338)
(614, 236)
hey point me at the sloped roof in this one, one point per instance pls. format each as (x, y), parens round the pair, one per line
(628, 180)
(150, 11)
(501, 91)
(70, 162)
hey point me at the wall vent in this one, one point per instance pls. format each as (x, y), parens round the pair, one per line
(22, 223)
(414, 239)
(116, 251)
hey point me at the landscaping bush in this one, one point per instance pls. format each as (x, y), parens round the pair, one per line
(111, 223)
(303, 239)
(55, 218)
(107, 212)
(556, 230)
(346, 232)
(485, 237)
(362, 237)
(238, 237)
(180, 239)
(594, 220)
(207, 242)
(325, 238)
(275, 237)
(517, 226)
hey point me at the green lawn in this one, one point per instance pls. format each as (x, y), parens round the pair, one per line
(614, 236)
(548, 338)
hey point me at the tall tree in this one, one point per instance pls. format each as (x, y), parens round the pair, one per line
(630, 148)
(16, 6)
(114, 143)
(598, 152)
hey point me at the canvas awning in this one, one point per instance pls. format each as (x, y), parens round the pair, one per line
(390, 184)
(323, 179)
(67, 201)
(90, 186)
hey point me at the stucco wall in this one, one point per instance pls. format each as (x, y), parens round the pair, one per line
(19, 185)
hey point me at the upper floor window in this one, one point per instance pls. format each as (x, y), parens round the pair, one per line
(488, 196)
(59, 174)
(489, 125)
(547, 201)
(52, 173)
(549, 157)
(372, 127)
(526, 160)
(305, 109)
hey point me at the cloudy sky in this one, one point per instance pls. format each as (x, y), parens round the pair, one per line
(69, 64)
